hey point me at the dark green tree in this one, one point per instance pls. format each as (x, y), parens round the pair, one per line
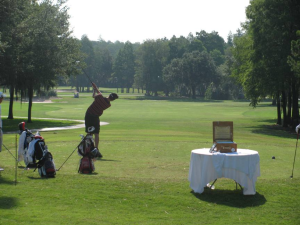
(124, 67)
(47, 49)
(103, 67)
(194, 70)
(12, 13)
(211, 41)
(272, 26)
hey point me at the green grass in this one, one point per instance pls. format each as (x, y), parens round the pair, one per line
(143, 177)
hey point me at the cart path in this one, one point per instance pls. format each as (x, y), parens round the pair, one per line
(82, 125)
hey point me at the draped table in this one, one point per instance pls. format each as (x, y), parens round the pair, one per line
(242, 166)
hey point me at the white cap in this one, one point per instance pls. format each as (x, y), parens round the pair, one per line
(2, 95)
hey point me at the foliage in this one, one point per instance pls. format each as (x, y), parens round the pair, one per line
(40, 47)
(124, 67)
(294, 58)
(152, 57)
(261, 56)
(211, 41)
(194, 70)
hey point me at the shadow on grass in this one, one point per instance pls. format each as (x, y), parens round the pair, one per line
(8, 202)
(109, 160)
(89, 174)
(5, 181)
(232, 198)
(12, 125)
(171, 99)
(274, 130)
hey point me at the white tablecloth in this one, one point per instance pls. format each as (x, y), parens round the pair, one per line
(242, 166)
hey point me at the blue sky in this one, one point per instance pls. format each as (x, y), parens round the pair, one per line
(139, 20)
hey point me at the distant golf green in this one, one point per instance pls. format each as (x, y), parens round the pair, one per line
(143, 176)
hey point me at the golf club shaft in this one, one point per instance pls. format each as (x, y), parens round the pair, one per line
(87, 76)
(71, 153)
(295, 155)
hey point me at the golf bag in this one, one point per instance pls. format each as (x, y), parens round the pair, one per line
(48, 168)
(87, 150)
(34, 151)
(86, 165)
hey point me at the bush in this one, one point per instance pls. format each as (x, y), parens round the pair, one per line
(50, 93)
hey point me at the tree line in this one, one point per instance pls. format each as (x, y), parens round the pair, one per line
(182, 66)
(259, 61)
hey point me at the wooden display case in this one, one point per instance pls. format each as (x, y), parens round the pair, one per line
(223, 137)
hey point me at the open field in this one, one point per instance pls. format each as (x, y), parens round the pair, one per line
(143, 176)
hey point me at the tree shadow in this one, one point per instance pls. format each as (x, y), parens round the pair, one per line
(5, 181)
(8, 202)
(231, 198)
(274, 130)
(172, 99)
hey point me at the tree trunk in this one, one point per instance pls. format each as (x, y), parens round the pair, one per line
(289, 113)
(295, 109)
(193, 93)
(274, 101)
(278, 109)
(16, 93)
(283, 100)
(30, 96)
(11, 103)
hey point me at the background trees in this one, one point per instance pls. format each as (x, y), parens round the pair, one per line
(259, 61)
(194, 70)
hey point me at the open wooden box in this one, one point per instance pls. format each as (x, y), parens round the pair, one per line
(223, 137)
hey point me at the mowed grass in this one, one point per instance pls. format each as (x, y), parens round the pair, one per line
(143, 176)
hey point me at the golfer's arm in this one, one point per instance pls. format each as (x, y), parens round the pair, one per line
(95, 88)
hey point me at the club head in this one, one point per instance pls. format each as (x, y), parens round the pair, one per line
(291, 176)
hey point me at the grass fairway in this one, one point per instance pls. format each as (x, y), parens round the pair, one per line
(143, 176)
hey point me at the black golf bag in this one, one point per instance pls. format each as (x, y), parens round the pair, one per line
(87, 150)
(34, 151)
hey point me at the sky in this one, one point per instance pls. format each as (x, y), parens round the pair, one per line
(140, 20)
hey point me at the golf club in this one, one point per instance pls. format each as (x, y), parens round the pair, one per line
(85, 73)
(295, 155)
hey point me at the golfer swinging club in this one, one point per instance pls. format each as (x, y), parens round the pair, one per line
(95, 110)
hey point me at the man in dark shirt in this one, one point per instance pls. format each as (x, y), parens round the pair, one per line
(95, 110)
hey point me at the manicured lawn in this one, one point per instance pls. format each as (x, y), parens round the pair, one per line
(143, 176)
